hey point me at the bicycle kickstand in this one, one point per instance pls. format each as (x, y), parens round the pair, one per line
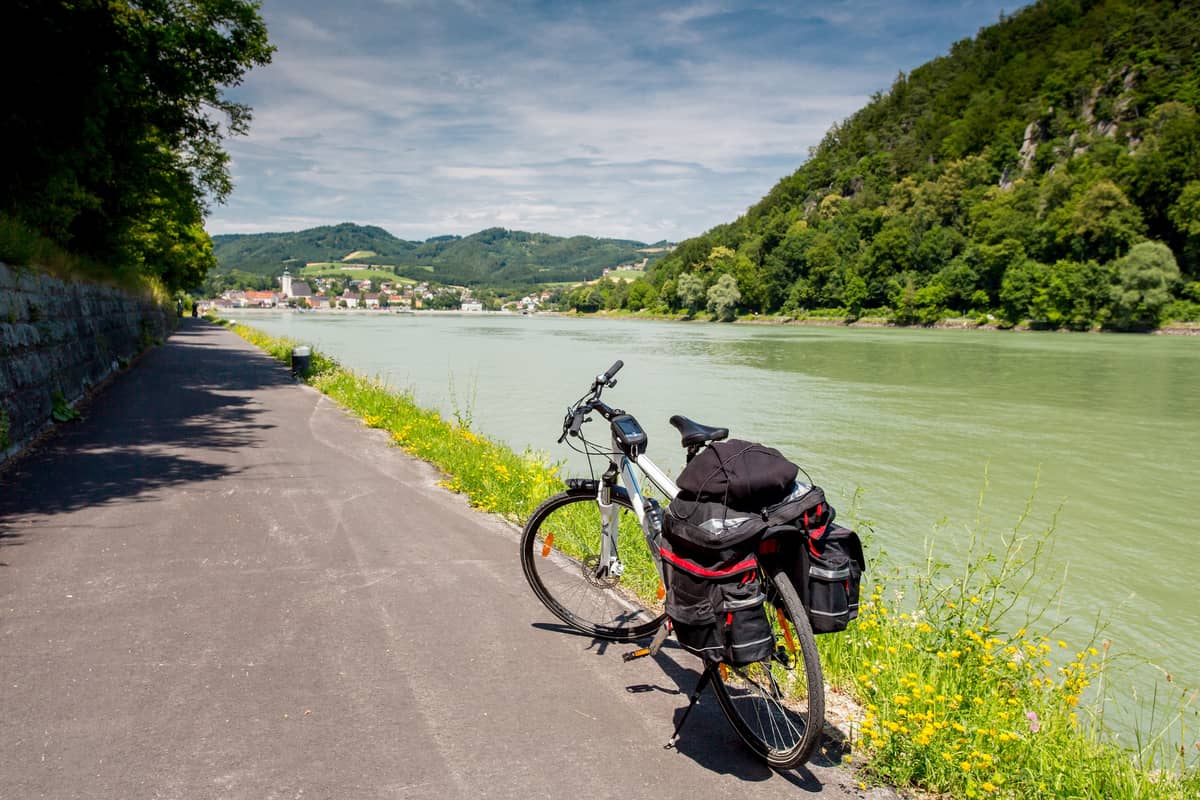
(695, 698)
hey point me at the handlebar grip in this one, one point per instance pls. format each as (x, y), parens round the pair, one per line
(613, 370)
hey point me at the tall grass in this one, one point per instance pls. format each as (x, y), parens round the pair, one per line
(964, 690)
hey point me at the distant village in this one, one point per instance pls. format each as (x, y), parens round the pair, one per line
(320, 294)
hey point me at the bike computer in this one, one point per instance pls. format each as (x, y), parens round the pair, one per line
(628, 433)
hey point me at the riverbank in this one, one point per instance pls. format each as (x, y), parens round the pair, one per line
(953, 701)
(958, 323)
(961, 323)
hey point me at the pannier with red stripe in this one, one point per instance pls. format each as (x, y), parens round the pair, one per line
(715, 529)
(715, 602)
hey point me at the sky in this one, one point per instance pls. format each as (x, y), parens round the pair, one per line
(638, 120)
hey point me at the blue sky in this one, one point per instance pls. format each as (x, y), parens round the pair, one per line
(640, 120)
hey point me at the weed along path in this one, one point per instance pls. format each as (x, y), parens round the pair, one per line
(221, 585)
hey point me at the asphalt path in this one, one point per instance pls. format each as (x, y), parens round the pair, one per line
(220, 585)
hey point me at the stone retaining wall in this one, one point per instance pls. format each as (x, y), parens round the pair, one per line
(58, 340)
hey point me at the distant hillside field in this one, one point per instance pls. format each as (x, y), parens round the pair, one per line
(492, 257)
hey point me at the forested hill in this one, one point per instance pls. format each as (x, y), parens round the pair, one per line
(491, 257)
(265, 252)
(1047, 170)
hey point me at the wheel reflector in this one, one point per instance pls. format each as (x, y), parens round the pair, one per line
(547, 544)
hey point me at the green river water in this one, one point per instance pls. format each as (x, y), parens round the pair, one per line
(1101, 430)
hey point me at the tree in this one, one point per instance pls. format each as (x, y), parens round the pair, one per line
(585, 299)
(446, 300)
(1142, 288)
(641, 295)
(690, 290)
(1185, 216)
(1104, 223)
(115, 153)
(723, 298)
(1021, 282)
(855, 293)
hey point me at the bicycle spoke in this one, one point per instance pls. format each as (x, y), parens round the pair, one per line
(777, 705)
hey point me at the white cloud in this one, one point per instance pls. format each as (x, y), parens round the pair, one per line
(623, 119)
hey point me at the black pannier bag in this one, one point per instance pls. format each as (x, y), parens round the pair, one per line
(714, 597)
(737, 498)
(715, 603)
(835, 567)
(826, 564)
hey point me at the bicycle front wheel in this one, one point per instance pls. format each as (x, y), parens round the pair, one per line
(560, 553)
(777, 706)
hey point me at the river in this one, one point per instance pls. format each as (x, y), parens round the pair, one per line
(1100, 433)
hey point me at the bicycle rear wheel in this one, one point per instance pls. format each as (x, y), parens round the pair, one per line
(777, 706)
(560, 553)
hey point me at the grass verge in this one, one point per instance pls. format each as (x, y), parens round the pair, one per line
(960, 694)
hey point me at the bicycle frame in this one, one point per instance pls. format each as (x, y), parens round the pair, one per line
(621, 471)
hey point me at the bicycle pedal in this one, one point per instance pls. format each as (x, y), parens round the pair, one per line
(634, 654)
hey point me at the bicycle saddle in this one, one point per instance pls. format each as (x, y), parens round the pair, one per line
(695, 434)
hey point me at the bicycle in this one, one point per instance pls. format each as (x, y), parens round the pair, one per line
(591, 555)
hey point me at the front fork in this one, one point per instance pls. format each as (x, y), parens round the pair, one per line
(610, 525)
(649, 516)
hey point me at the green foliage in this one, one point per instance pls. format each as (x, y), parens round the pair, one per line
(1143, 281)
(5, 430)
(967, 692)
(115, 153)
(723, 298)
(61, 410)
(1007, 176)
(1184, 214)
(690, 291)
(445, 300)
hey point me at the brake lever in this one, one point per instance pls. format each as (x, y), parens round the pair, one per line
(577, 423)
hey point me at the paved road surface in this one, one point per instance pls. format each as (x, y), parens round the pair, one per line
(219, 585)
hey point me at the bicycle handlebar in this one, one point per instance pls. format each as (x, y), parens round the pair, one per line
(605, 379)
(577, 414)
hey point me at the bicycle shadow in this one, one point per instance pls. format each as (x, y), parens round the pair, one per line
(599, 646)
(708, 739)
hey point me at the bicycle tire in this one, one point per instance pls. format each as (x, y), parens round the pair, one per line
(559, 572)
(778, 711)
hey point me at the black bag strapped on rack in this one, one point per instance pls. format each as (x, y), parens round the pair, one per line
(715, 603)
(714, 526)
(739, 474)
